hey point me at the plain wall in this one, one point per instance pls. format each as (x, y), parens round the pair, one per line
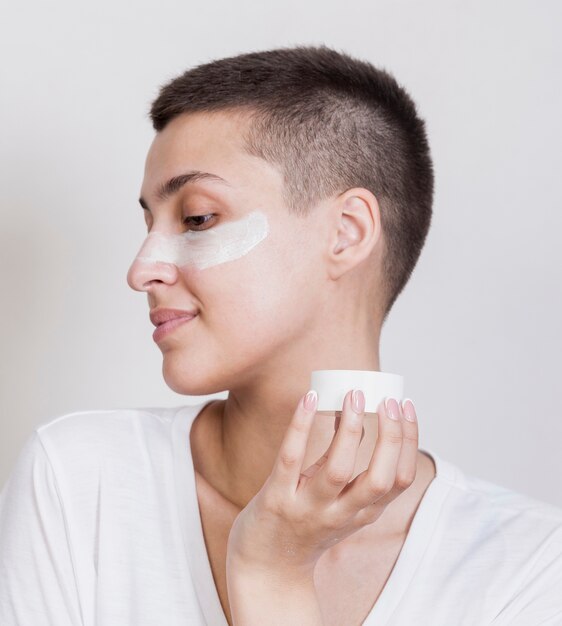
(476, 333)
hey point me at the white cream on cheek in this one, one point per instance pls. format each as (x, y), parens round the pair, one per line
(206, 248)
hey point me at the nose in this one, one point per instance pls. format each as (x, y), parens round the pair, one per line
(142, 274)
(145, 270)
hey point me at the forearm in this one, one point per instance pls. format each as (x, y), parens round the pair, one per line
(258, 597)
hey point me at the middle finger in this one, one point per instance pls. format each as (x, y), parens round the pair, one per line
(336, 472)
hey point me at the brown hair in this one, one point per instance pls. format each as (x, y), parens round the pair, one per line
(329, 122)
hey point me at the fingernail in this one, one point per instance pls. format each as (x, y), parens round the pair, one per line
(358, 400)
(392, 409)
(409, 410)
(310, 400)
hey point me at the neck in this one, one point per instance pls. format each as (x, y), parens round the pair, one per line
(234, 451)
(243, 433)
(235, 442)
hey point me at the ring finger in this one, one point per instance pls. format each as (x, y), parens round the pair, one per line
(379, 478)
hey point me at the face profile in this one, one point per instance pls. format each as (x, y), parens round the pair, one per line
(220, 242)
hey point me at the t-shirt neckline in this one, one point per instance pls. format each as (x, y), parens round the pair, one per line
(417, 539)
(190, 516)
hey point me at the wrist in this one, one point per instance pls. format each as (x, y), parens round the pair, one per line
(277, 597)
(277, 574)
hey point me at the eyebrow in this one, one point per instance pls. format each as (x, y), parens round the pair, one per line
(177, 182)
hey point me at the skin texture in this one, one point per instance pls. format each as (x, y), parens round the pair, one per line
(305, 298)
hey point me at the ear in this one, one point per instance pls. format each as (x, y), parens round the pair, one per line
(357, 230)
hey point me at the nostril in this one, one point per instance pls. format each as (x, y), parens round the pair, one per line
(142, 274)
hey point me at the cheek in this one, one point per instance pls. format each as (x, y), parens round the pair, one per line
(267, 290)
(248, 288)
(260, 295)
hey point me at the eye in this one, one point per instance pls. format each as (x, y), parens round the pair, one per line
(198, 224)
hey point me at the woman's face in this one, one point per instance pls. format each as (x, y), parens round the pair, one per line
(251, 270)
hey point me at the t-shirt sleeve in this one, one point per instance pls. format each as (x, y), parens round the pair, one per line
(37, 581)
(539, 600)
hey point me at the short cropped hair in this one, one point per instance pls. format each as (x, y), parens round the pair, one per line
(328, 122)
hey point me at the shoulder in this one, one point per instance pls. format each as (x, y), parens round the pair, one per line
(483, 522)
(478, 498)
(489, 523)
(475, 497)
(83, 446)
(497, 544)
(85, 435)
(91, 455)
(519, 539)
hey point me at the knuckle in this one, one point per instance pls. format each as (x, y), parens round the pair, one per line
(354, 427)
(288, 459)
(404, 479)
(378, 485)
(299, 426)
(338, 476)
(393, 438)
(411, 436)
(370, 516)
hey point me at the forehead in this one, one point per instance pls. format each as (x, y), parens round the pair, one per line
(209, 142)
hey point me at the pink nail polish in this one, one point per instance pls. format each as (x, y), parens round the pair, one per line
(409, 410)
(392, 408)
(358, 401)
(310, 400)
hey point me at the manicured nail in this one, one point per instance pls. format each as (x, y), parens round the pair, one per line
(310, 400)
(358, 400)
(409, 410)
(392, 408)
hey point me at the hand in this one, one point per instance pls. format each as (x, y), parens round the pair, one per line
(297, 515)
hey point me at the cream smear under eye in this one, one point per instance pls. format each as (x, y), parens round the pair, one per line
(206, 248)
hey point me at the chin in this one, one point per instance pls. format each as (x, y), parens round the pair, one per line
(187, 380)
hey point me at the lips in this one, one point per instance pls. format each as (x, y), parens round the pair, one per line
(160, 316)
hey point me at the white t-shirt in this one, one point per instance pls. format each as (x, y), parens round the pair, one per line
(100, 525)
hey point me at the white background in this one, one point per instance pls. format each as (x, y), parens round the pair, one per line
(477, 332)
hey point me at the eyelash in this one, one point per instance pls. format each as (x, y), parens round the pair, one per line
(191, 217)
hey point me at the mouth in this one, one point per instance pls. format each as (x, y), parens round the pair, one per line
(165, 328)
(159, 316)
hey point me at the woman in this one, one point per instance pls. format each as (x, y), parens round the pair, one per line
(287, 196)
